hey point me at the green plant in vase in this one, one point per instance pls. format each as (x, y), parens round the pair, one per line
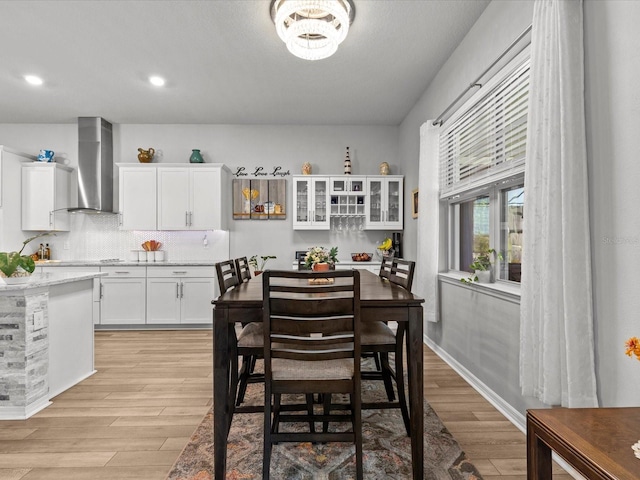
(482, 263)
(16, 265)
(258, 265)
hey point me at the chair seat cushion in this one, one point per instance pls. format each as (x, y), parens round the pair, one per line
(285, 369)
(251, 335)
(376, 333)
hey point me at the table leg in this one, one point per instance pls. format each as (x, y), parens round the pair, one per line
(220, 390)
(538, 454)
(415, 365)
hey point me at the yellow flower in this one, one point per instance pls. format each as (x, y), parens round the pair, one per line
(633, 347)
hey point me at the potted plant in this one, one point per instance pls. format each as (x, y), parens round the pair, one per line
(481, 267)
(258, 265)
(321, 259)
(15, 267)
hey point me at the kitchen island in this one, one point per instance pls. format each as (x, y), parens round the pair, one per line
(46, 339)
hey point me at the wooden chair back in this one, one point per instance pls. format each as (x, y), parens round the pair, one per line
(311, 321)
(227, 275)
(242, 267)
(402, 272)
(385, 267)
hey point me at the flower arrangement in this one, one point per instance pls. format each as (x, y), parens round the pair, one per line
(321, 255)
(633, 347)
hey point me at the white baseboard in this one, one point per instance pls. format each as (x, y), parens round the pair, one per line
(22, 413)
(513, 415)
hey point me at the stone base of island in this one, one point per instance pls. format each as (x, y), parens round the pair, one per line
(46, 339)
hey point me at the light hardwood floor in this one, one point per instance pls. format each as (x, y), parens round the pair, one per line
(132, 418)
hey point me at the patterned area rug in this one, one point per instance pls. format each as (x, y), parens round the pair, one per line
(387, 449)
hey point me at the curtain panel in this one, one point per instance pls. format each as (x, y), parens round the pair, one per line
(556, 315)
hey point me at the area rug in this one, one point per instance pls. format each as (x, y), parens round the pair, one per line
(387, 449)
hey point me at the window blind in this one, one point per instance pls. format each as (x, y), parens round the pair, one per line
(487, 143)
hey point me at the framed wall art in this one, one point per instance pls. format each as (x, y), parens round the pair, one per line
(414, 203)
(258, 199)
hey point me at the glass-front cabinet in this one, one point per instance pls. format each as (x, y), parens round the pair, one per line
(311, 196)
(348, 196)
(384, 208)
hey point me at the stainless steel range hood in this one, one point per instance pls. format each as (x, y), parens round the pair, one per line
(95, 166)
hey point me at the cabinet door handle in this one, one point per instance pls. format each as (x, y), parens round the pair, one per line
(186, 219)
(181, 289)
(101, 291)
(122, 272)
(51, 219)
(190, 219)
(178, 290)
(120, 218)
(179, 272)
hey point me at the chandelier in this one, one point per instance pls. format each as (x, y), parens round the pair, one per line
(312, 29)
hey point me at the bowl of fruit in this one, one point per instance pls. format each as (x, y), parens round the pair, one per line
(361, 257)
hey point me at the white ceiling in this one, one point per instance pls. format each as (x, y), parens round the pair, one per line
(222, 59)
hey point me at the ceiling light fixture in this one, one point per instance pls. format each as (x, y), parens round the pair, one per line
(33, 80)
(157, 81)
(312, 29)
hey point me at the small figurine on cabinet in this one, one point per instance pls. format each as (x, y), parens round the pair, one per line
(347, 163)
(384, 168)
(145, 156)
(306, 168)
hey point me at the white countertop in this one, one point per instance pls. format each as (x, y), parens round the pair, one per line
(99, 263)
(48, 279)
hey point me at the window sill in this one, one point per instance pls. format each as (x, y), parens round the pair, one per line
(504, 290)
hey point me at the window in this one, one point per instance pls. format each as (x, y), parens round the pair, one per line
(482, 157)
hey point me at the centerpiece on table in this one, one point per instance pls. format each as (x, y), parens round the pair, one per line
(319, 259)
(632, 347)
(15, 267)
(258, 265)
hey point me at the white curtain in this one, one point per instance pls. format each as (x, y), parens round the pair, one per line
(428, 220)
(556, 317)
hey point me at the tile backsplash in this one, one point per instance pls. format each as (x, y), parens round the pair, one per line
(98, 237)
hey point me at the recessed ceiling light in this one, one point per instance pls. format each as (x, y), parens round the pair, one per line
(157, 81)
(33, 80)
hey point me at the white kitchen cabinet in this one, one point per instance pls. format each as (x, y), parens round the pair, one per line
(384, 203)
(174, 196)
(177, 294)
(45, 196)
(137, 197)
(122, 295)
(190, 198)
(348, 196)
(311, 197)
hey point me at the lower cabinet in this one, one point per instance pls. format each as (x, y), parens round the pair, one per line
(180, 295)
(122, 296)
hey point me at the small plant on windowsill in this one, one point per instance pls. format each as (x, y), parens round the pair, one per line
(482, 267)
(258, 265)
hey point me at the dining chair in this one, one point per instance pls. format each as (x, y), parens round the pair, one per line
(311, 346)
(242, 267)
(246, 343)
(385, 267)
(378, 339)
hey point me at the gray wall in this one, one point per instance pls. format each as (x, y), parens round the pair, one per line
(613, 122)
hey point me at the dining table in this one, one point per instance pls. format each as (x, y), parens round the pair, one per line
(380, 299)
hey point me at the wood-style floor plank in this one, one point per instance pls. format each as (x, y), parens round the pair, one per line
(134, 416)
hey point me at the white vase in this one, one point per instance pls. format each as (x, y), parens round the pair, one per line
(484, 276)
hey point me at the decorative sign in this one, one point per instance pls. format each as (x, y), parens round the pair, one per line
(261, 172)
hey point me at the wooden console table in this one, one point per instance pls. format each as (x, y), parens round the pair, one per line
(595, 441)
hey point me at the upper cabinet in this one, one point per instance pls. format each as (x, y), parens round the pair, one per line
(189, 198)
(173, 197)
(311, 197)
(45, 196)
(376, 202)
(384, 203)
(137, 198)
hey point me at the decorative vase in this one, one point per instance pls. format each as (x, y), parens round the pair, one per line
(145, 156)
(306, 168)
(384, 168)
(347, 163)
(247, 206)
(484, 276)
(320, 267)
(195, 156)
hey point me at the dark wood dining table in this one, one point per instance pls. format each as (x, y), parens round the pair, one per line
(379, 300)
